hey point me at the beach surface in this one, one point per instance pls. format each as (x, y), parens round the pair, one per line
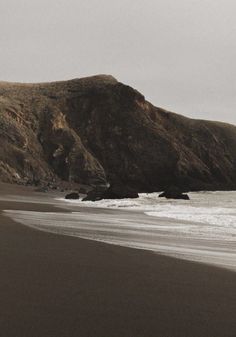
(57, 285)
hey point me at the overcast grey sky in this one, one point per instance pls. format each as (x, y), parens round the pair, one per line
(181, 54)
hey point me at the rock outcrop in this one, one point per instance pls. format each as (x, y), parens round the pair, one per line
(120, 191)
(72, 196)
(96, 130)
(174, 192)
(117, 191)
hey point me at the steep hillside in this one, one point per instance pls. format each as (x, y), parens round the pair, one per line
(97, 130)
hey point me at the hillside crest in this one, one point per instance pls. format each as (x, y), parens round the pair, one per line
(96, 130)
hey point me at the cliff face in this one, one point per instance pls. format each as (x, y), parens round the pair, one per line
(96, 130)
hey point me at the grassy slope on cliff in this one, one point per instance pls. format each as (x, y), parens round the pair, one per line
(96, 129)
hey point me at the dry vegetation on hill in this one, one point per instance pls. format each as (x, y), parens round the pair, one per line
(96, 130)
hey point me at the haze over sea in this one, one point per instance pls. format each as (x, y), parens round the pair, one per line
(202, 229)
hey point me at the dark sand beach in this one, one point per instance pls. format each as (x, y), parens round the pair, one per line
(58, 286)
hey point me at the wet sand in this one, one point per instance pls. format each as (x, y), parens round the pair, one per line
(54, 286)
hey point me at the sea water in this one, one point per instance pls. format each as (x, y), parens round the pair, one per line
(209, 214)
(201, 229)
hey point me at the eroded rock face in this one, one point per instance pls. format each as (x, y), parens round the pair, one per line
(97, 130)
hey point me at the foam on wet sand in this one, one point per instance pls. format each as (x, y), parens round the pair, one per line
(202, 230)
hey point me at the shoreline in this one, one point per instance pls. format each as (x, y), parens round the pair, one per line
(131, 228)
(58, 231)
(55, 285)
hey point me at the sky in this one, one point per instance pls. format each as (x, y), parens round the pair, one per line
(181, 54)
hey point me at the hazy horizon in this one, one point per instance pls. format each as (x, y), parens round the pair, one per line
(180, 55)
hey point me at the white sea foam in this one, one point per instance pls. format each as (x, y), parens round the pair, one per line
(213, 213)
(202, 229)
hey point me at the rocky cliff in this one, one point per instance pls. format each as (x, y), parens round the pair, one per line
(96, 130)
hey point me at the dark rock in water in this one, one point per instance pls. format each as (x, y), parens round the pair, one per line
(73, 195)
(120, 192)
(183, 196)
(96, 193)
(93, 196)
(174, 193)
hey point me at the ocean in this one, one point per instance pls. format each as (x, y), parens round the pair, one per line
(202, 229)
